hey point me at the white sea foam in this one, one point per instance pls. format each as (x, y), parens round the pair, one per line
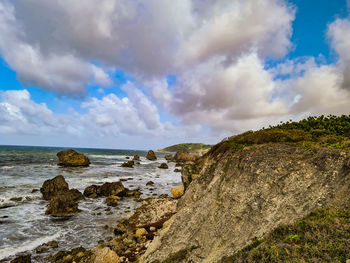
(6, 167)
(27, 246)
(16, 200)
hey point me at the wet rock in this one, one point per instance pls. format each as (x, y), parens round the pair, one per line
(150, 183)
(177, 191)
(133, 193)
(151, 155)
(41, 249)
(178, 165)
(53, 187)
(182, 156)
(22, 259)
(62, 205)
(115, 188)
(169, 157)
(72, 158)
(35, 190)
(112, 200)
(105, 255)
(91, 190)
(53, 244)
(127, 157)
(163, 166)
(177, 170)
(76, 194)
(129, 164)
(136, 158)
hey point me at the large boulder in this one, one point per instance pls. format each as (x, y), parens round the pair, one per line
(72, 158)
(182, 156)
(54, 186)
(128, 164)
(107, 189)
(62, 205)
(151, 155)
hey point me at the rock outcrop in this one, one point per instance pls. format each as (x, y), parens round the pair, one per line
(107, 189)
(163, 166)
(241, 194)
(72, 158)
(52, 187)
(128, 164)
(136, 158)
(185, 157)
(151, 155)
(63, 201)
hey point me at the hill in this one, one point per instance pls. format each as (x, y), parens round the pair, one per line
(279, 194)
(188, 147)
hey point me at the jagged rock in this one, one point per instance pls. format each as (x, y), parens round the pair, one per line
(242, 195)
(54, 186)
(133, 193)
(22, 259)
(182, 156)
(115, 188)
(190, 171)
(129, 164)
(91, 191)
(136, 158)
(177, 191)
(163, 166)
(62, 205)
(151, 155)
(76, 194)
(112, 200)
(105, 255)
(72, 158)
(169, 157)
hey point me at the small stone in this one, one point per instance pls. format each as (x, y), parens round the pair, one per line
(150, 183)
(163, 166)
(53, 244)
(141, 232)
(177, 170)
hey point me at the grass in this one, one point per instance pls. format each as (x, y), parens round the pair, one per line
(187, 147)
(322, 236)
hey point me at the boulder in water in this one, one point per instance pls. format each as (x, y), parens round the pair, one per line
(136, 158)
(115, 188)
(163, 166)
(72, 158)
(54, 186)
(62, 205)
(129, 164)
(151, 155)
(91, 191)
(22, 259)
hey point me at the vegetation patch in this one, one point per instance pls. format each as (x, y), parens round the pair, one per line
(322, 236)
(188, 147)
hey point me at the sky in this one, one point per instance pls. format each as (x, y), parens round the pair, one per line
(139, 74)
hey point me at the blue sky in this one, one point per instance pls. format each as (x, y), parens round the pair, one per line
(169, 73)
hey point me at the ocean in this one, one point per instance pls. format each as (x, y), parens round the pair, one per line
(23, 169)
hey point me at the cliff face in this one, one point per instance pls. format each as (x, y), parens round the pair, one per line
(243, 194)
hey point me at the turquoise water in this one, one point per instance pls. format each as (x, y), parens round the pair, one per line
(23, 223)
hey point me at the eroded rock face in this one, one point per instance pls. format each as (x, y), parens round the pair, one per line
(151, 155)
(244, 194)
(185, 156)
(62, 205)
(54, 186)
(72, 158)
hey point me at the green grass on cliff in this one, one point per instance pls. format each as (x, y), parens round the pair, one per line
(331, 131)
(188, 147)
(322, 236)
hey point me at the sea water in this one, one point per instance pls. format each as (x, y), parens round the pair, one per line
(23, 223)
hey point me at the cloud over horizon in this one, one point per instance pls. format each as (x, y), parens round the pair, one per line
(217, 51)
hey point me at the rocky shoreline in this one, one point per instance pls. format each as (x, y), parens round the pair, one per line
(132, 234)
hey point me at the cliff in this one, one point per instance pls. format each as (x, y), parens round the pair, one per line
(188, 147)
(248, 186)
